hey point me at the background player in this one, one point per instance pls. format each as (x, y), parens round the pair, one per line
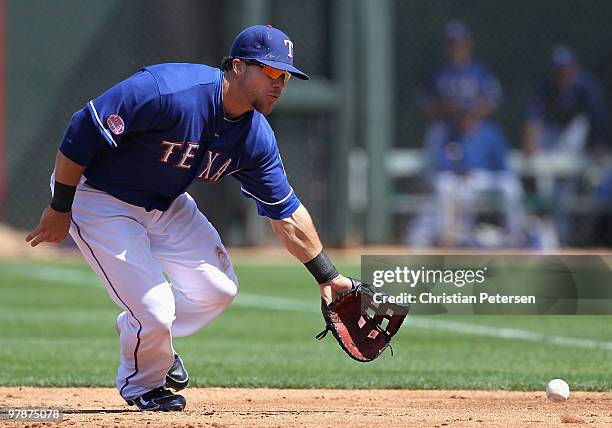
(119, 189)
(466, 152)
(566, 112)
(462, 80)
(472, 170)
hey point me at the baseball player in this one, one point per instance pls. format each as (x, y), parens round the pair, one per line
(119, 190)
(459, 98)
(566, 114)
(471, 164)
(565, 101)
(461, 80)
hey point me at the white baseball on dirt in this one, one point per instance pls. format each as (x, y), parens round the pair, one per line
(557, 390)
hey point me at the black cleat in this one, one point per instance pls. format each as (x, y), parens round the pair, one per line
(177, 377)
(159, 399)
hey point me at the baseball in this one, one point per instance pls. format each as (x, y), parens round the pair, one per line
(557, 390)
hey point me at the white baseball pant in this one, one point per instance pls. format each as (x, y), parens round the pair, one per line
(130, 249)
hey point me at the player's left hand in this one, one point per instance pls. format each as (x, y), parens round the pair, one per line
(361, 334)
(331, 289)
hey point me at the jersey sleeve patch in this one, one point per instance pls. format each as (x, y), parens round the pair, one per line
(116, 124)
(132, 105)
(107, 135)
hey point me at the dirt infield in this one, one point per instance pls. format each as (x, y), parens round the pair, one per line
(219, 407)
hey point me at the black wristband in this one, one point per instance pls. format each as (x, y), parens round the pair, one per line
(63, 195)
(322, 268)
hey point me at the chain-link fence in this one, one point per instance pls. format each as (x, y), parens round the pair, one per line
(561, 204)
(62, 53)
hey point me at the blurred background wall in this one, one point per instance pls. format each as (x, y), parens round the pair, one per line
(339, 134)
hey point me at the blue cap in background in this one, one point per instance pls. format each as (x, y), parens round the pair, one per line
(267, 45)
(563, 56)
(456, 30)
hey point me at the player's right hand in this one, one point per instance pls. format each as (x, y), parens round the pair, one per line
(53, 227)
(331, 289)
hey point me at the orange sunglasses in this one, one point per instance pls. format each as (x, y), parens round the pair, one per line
(271, 72)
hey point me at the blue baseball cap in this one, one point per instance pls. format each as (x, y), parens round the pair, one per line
(456, 30)
(267, 45)
(563, 56)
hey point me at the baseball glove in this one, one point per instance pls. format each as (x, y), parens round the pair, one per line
(362, 334)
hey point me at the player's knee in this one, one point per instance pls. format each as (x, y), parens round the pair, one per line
(217, 291)
(158, 326)
(158, 323)
(226, 292)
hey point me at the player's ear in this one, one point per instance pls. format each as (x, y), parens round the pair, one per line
(238, 66)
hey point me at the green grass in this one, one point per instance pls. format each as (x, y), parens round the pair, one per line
(57, 328)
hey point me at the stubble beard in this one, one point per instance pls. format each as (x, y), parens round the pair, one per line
(264, 108)
(259, 103)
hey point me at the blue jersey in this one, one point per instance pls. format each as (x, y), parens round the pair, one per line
(484, 148)
(148, 138)
(557, 107)
(460, 85)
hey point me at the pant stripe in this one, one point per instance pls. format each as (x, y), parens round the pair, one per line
(127, 379)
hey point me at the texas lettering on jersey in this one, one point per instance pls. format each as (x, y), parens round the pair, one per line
(212, 171)
(212, 156)
(163, 128)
